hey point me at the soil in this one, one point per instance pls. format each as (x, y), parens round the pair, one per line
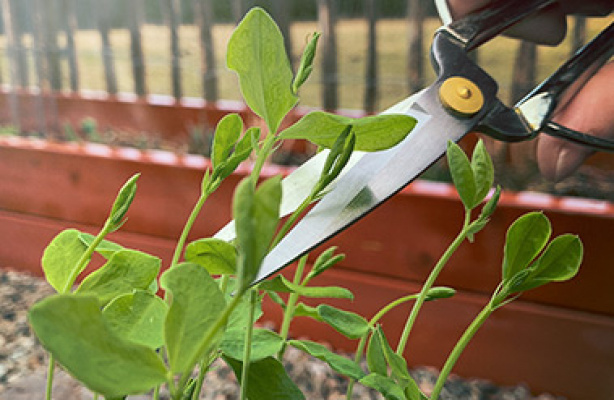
(23, 363)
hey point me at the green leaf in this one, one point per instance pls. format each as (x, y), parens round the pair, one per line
(215, 255)
(440, 292)
(265, 343)
(240, 317)
(332, 292)
(526, 237)
(137, 317)
(306, 65)
(123, 201)
(325, 261)
(338, 363)
(196, 305)
(267, 380)
(105, 248)
(462, 175)
(227, 134)
(373, 133)
(257, 54)
(72, 328)
(376, 359)
(303, 310)
(385, 385)
(560, 262)
(256, 216)
(349, 324)
(483, 171)
(125, 271)
(241, 152)
(60, 259)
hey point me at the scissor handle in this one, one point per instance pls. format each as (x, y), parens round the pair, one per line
(484, 24)
(560, 87)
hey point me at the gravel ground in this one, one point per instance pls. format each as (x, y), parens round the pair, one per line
(23, 363)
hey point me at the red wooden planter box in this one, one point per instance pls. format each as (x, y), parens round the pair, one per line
(558, 339)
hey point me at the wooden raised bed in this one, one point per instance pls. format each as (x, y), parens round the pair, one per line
(558, 339)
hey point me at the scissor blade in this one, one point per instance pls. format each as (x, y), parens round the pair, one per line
(374, 178)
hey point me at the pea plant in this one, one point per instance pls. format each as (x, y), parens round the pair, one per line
(126, 329)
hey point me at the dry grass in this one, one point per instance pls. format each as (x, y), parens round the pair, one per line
(496, 57)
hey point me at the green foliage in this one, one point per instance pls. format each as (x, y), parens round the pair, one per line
(373, 133)
(257, 54)
(72, 328)
(196, 304)
(111, 332)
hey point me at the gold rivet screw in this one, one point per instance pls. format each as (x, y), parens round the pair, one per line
(461, 96)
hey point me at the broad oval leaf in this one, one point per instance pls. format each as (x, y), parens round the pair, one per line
(72, 328)
(257, 54)
(338, 363)
(483, 171)
(560, 262)
(462, 175)
(267, 379)
(125, 271)
(196, 305)
(373, 133)
(60, 259)
(215, 255)
(226, 135)
(256, 214)
(137, 317)
(349, 324)
(525, 239)
(265, 343)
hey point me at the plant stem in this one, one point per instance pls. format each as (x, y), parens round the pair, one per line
(363, 340)
(50, 372)
(156, 393)
(458, 349)
(291, 306)
(204, 195)
(263, 154)
(430, 281)
(247, 348)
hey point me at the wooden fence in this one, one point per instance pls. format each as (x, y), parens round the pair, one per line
(44, 35)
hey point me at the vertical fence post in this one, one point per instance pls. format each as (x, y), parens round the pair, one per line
(135, 10)
(173, 12)
(280, 13)
(8, 15)
(203, 10)
(69, 20)
(51, 44)
(578, 34)
(20, 48)
(107, 50)
(415, 65)
(524, 75)
(238, 9)
(327, 20)
(370, 99)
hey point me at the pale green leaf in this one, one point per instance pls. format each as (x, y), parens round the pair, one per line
(72, 328)
(60, 259)
(306, 64)
(338, 363)
(125, 271)
(215, 255)
(257, 54)
(462, 175)
(267, 380)
(196, 305)
(123, 201)
(373, 133)
(137, 317)
(265, 343)
(376, 359)
(349, 324)
(105, 248)
(483, 171)
(525, 239)
(226, 135)
(385, 385)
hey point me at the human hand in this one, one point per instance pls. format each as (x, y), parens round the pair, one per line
(591, 111)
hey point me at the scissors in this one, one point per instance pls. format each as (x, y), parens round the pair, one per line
(462, 99)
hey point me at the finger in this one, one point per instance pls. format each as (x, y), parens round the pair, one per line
(591, 111)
